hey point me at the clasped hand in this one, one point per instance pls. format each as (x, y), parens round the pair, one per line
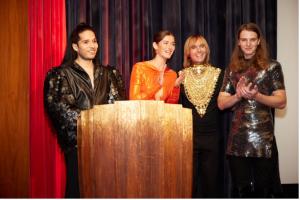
(179, 79)
(246, 89)
(158, 95)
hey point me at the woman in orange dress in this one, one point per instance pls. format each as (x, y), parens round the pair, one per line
(153, 79)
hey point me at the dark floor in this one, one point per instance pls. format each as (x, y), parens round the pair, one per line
(290, 190)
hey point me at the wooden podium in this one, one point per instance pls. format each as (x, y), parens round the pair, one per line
(135, 149)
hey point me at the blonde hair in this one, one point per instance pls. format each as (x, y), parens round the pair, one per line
(187, 46)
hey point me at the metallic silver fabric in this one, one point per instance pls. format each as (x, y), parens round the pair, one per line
(252, 128)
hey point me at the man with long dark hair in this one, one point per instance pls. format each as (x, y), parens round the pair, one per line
(253, 84)
(78, 84)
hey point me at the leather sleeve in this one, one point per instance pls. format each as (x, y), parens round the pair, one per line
(60, 106)
(117, 86)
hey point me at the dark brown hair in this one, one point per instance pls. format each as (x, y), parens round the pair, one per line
(159, 36)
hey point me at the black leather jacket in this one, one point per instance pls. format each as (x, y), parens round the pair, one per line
(68, 90)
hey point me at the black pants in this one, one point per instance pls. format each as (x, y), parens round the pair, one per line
(255, 177)
(72, 185)
(205, 166)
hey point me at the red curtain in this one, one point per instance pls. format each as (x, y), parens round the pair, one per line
(47, 32)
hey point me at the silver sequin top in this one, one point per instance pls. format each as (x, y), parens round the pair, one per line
(252, 128)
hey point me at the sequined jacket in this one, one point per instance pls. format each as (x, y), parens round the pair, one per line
(68, 90)
(252, 128)
(144, 83)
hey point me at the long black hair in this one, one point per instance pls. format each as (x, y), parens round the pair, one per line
(70, 53)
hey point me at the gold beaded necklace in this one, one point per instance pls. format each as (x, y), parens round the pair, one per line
(199, 85)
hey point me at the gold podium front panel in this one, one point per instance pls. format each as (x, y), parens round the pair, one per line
(135, 149)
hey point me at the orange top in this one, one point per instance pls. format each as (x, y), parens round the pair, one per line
(144, 83)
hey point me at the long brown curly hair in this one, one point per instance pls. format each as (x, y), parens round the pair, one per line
(261, 57)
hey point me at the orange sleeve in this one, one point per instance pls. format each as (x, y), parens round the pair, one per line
(174, 96)
(169, 91)
(137, 83)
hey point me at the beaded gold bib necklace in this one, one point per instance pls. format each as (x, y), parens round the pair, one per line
(199, 85)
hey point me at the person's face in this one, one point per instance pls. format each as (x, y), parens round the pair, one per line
(198, 52)
(87, 45)
(248, 43)
(166, 47)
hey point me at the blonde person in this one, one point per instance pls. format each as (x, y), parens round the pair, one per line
(253, 85)
(199, 92)
(153, 79)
